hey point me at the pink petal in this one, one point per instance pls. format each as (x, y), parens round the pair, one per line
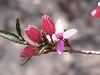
(59, 27)
(52, 25)
(96, 12)
(48, 37)
(48, 25)
(33, 33)
(54, 37)
(59, 46)
(35, 30)
(28, 51)
(98, 3)
(69, 33)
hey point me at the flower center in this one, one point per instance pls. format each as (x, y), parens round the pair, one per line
(59, 35)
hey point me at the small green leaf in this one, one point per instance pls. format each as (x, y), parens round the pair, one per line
(25, 61)
(6, 32)
(45, 38)
(42, 49)
(18, 29)
(12, 37)
(55, 42)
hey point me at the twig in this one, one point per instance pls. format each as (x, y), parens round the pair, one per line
(76, 51)
(83, 52)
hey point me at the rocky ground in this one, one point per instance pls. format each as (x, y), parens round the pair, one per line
(74, 14)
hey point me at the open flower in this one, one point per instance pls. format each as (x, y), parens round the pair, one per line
(61, 35)
(48, 25)
(96, 12)
(33, 34)
(28, 51)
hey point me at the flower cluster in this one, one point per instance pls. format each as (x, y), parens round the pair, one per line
(52, 36)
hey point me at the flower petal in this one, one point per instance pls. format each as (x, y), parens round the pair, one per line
(59, 27)
(33, 33)
(34, 29)
(28, 51)
(98, 3)
(54, 37)
(96, 12)
(48, 37)
(68, 34)
(59, 46)
(48, 25)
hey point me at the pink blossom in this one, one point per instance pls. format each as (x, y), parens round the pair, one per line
(33, 33)
(96, 12)
(28, 51)
(61, 35)
(48, 25)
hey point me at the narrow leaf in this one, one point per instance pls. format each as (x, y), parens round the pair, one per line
(18, 29)
(25, 61)
(9, 33)
(12, 37)
(42, 49)
(45, 38)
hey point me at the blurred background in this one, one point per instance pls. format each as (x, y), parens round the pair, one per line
(74, 14)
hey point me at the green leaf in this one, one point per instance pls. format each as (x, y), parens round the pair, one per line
(6, 32)
(45, 38)
(42, 49)
(18, 29)
(12, 37)
(55, 42)
(25, 61)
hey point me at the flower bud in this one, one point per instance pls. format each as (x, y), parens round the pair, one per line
(28, 51)
(96, 12)
(48, 25)
(33, 33)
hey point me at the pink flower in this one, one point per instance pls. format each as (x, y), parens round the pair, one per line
(96, 12)
(33, 34)
(28, 51)
(61, 35)
(48, 25)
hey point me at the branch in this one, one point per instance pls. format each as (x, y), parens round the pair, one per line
(74, 51)
(83, 52)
